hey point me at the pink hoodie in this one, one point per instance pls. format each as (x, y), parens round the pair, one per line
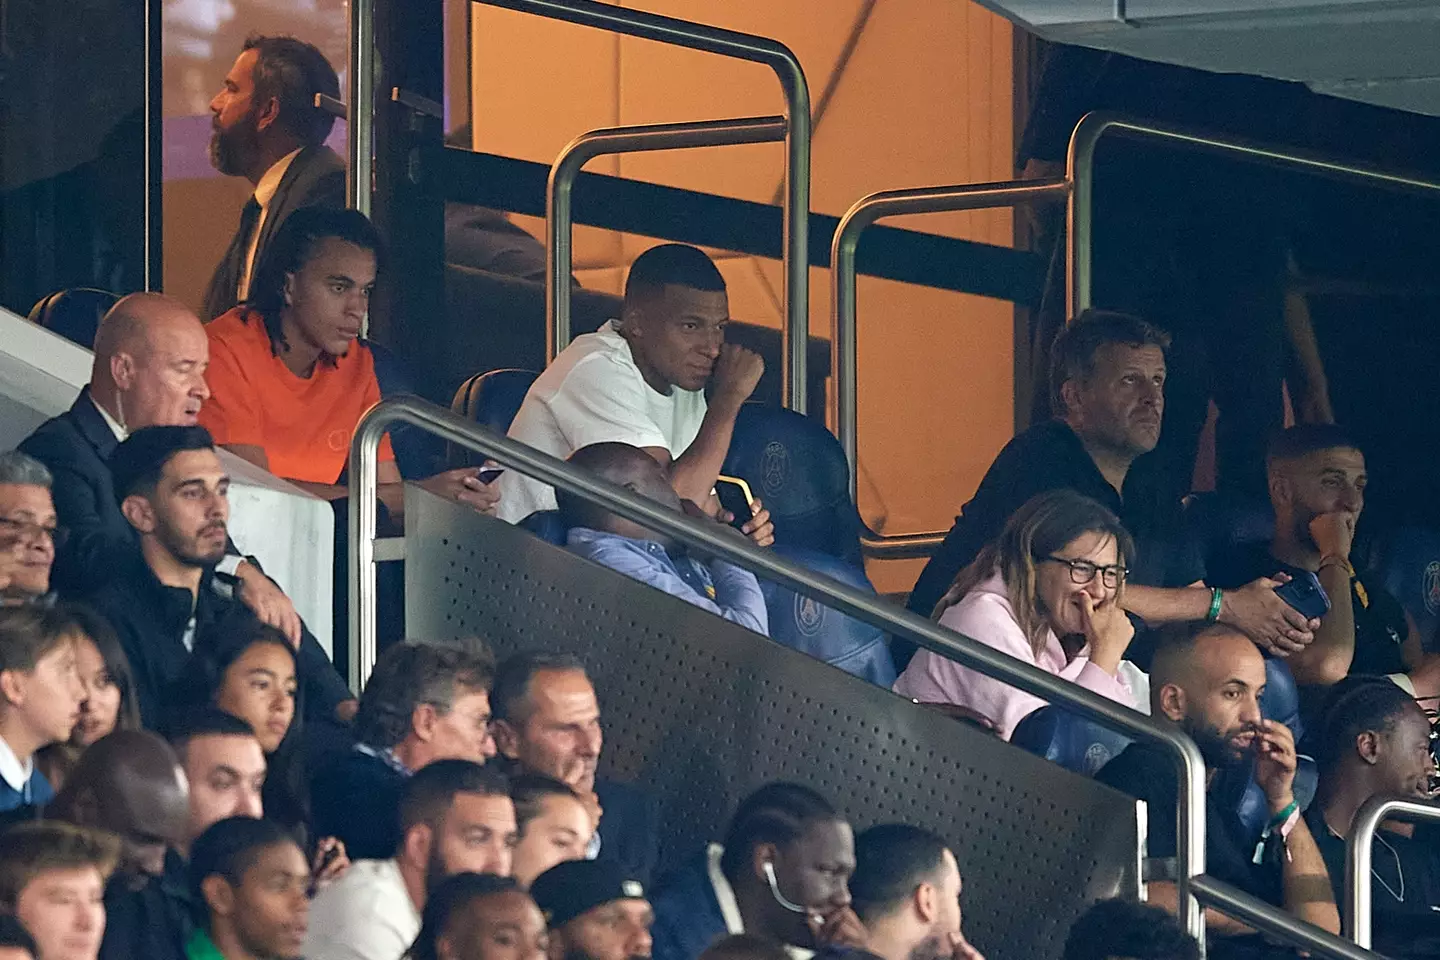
(985, 614)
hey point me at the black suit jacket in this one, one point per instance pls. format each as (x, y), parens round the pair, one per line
(76, 446)
(315, 178)
(355, 797)
(629, 828)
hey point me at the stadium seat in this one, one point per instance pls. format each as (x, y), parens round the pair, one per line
(1410, 570)
(417, 452)
(492, 399)
(802, 624)
(798, 469)
(1281, 701)
(1067, 739)
(74, 313)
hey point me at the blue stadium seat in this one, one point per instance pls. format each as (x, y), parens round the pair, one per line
(419, 454)
(1410, 570)
(802, 624)
(74, 313)
(492, 399)
(1281, 701)
(798, 469)
(1067, 739)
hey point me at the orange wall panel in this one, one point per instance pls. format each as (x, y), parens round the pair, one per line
(925, 98)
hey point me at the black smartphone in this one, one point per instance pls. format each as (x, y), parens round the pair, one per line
(489, 475)
(735, 496)
(1305, 594)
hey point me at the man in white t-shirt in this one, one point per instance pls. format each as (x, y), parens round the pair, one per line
(455, 817)
(640, 380)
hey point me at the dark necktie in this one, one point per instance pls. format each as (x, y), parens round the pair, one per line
(249, 217)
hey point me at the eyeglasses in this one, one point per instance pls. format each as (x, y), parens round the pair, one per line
(1083, 571)
(13, 530)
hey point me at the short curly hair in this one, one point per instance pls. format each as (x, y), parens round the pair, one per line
(1124, 928)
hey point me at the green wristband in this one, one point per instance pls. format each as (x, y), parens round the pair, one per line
(1217, 596)
(1284, 815)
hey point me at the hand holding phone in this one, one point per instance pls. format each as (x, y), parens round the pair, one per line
(1305, 594)
(758, 527)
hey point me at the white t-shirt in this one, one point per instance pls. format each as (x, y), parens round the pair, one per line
(594, 393)
(365, 915)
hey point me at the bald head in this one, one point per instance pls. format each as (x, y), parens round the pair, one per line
(131, 784)
(150, 358)
(625, 466)
(1209, 680)
(128, 324)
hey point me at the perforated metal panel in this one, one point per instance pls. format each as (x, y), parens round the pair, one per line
(700, 712)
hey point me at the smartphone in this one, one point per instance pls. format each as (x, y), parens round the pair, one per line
(488, 475)
(735, 496)
(1305, 594)
(744, 488)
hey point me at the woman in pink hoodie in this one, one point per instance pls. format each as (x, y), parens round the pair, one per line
(1046, 591)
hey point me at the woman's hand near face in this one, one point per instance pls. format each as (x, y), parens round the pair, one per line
(1107, 630)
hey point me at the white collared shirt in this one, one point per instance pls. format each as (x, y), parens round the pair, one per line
(264, 193)
(14, 773)
(115, 426)
(365, 915)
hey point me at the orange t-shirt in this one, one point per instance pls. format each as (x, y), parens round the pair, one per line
(304, 425)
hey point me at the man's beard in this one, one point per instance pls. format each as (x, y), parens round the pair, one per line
(233, 151)
(1216, 747)
(436, 871)
(931, 948)
(187, 549)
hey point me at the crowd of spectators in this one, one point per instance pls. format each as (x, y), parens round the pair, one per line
(184, 774)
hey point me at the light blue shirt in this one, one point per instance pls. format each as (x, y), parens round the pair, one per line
(722, 588)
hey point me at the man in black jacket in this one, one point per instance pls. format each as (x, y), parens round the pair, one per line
(547, 720)
(268, 130)
(1107, 382)
(149, 370)
(173, 492)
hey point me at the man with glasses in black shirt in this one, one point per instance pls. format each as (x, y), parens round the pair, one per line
(1107, 376)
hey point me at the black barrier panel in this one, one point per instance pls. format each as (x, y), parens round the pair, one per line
(699, 712)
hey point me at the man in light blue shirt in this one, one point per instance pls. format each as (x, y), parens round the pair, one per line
(649, 556)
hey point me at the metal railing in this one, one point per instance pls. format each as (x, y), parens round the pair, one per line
(1236, 903)
(360, 122)
(740, 46)
(1080, 170)
(1358, 850)
(1195, 889)
(513, 455)
(865, 211)
(559, 224)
